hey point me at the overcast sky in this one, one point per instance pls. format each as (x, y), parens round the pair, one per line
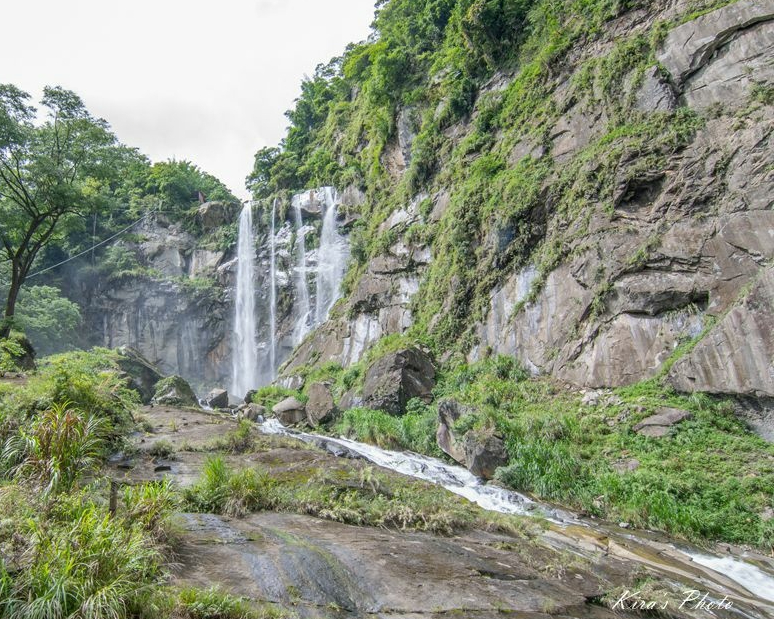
(203, 80)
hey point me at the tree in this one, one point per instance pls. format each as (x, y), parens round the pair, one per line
(47, 171)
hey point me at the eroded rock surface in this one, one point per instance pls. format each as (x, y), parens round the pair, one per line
(396, 378)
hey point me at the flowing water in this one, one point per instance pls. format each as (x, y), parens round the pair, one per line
(244, 362)
(302, 310)
(273, 295)
(460, 481)
(331, 260)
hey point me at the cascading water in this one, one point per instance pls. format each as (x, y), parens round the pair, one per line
(493, 498)
(331, 260)
(302, 310)
(244, 364)
(273, 295)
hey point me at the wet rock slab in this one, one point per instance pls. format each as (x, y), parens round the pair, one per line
(362, 571)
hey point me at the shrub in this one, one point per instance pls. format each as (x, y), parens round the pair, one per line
(57, 448)
(80, 563)
(221, 490)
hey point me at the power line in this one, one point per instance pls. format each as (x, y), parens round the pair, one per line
(93, 247)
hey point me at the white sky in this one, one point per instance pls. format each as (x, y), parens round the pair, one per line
(203, 80)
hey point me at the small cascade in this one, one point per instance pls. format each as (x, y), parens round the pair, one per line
(244, 373)
(331, 260)
(302, 309)
(273, 295)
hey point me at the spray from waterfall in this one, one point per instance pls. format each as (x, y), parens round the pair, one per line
(303, 308)
(273, 295)
(331, 260)
(244, 375)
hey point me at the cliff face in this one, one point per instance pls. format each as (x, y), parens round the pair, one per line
(644, 233)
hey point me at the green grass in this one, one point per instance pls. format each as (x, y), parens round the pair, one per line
(214, 603)
(710, 479)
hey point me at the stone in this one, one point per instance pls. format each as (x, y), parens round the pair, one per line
(217, 398)
(449, 411)
(249, 396)
(320, 406)
(658, 425)
(254, 412)
(654, 94)
(289, 411)
(142, 375)
(484, 453)
(174, 391)
(626, 466)
(390, 382)
(215, 214)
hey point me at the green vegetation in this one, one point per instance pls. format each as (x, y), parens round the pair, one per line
(414, 431)
(214, 603)
(271, 395)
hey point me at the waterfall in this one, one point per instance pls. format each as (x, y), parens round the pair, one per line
(273, 295)
(331, 260)
(302, 310)
(244, 375)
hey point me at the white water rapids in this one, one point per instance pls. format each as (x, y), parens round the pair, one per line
(459, 480)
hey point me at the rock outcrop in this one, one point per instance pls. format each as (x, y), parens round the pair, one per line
(320, 406)
(217, 398)
(141, 374)
(174, 391)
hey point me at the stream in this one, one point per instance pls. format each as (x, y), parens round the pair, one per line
(682, 560)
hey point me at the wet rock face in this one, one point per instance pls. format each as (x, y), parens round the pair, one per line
(212, 215)
(396, 378)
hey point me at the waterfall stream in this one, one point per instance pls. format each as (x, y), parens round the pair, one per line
(331, 260)
(244, 362)
(302, 311)
(273, 295)
(459, 480)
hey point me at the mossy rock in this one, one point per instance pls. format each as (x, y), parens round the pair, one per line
(174, 391)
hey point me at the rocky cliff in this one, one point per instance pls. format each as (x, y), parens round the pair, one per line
(624, 231)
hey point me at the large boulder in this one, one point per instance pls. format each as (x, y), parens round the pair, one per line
(217, 398)
(320, 406)
(449, 411)
(212, 215)
(481, 451)
(484, 452)
(174, 391)
(397, 377)
(290, 411)
(141, 374)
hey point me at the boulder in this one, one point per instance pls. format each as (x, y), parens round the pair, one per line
(320, 406)
(253, 412)
(484, 452)
(449, 411)
(217, 398)
(174, 391)
(289, 411)
(658, 425)
(391, 381)
(212, 215)
(141, 374)
(249, 396)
